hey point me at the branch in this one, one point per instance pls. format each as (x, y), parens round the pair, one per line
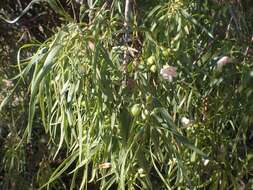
(127, 34)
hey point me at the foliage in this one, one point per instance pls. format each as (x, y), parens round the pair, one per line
(149, 104)
(19, 166)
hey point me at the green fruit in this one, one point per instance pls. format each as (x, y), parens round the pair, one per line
(149, 99)
(136, 110)
(83, 104)
(165, 52)
(153, 68)
(151, 60)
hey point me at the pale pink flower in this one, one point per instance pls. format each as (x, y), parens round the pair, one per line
(223, 61)
(8, 83)
(16, 101)
(91, 45)
(168, 72)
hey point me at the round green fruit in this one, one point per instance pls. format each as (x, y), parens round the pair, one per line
(153, 68)
(136, 110)
(151, 60)
(166, 52)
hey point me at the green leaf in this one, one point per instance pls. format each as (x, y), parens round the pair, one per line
(125, 121)
(50, 60)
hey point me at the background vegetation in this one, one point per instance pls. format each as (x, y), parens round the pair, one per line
(110, 95)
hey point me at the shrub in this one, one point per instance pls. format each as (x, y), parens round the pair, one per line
(143, 99)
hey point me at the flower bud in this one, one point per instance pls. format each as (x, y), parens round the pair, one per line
(185, 121)
(141, 172)
(105, 165)
(91, 45)
(205, 161)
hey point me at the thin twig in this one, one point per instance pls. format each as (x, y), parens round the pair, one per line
(90, 4)
(127, 34)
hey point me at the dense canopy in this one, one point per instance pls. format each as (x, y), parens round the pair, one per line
(126, 94)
